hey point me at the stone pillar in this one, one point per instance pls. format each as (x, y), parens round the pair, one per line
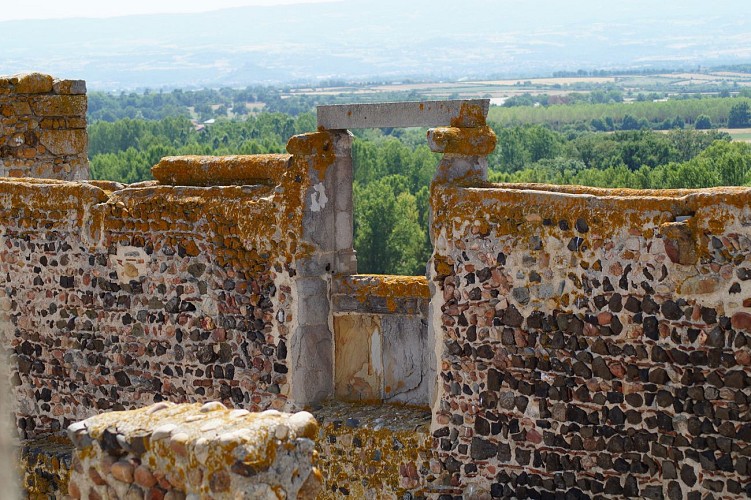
(465, 151)
(344, 217)
(43, 127)
(327, 237)
(465, 145)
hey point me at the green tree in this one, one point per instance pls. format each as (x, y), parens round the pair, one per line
(739, 116)
(388, 234)
(703, 122)
(629, 123)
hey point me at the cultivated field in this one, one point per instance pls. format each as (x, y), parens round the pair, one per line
(738, 134)
(502, 89)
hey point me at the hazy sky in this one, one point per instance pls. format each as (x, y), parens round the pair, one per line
(55, 9)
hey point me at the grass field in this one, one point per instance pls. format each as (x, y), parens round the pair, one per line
(739, 134)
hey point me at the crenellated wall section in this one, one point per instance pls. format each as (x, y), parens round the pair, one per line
(43, 127)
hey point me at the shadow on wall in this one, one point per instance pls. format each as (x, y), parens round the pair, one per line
(7, 444)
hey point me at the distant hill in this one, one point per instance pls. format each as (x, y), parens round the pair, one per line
(387, 39)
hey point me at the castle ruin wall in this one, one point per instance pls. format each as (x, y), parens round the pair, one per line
(43, 127)
(592, 341)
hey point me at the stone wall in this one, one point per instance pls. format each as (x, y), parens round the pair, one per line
(594, 342)
(119, 297)
(194, 451)
(43, 127)
(374, 451)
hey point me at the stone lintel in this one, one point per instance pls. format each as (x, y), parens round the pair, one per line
(456, 113)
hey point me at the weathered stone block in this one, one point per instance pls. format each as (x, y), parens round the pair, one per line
(59, 105)
(221, 170)
(20, 108)
(32, 105)
(404, 358)
(358, 363)
(457, 113)
(314, 302)
(69, 87)
(33, 83)
(197, 448)
(64, 142)
(476, 141)
(312, 357)
(680, 243)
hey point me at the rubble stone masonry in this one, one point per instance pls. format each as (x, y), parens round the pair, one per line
(592, 342)
(43, 127)
(117, 297)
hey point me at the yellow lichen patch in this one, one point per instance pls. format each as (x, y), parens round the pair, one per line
(49, 194)
(475, 141)
(32, 83)
(60, 105)
(38, 199)
(221, 170)
(373, 451)
(319, 145)
(470, 115)
(45, 466)
(383, 285)
(315, 143)
(239, 219)
(507, 206)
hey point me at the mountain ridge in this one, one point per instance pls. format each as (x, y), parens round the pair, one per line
(363, 40)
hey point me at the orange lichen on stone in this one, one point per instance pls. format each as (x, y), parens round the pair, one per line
(49, 194)
(506, 206)
(45, 466)
(43, 133)
(316, 149)
(470, 115)
(315, 143)
(377, 453)
(63, 142)
(474, 141)
(60, 105)
(385, 285)
(527, 277)
(33, 83)
(221, 170)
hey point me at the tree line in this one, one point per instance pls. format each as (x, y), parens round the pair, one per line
(702, 113)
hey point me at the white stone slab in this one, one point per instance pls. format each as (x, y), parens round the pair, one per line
(394, 114)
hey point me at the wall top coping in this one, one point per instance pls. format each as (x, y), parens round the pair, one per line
(703, 196)
(40, 83)
(232, 170)
(382, 285)
(455, 113)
